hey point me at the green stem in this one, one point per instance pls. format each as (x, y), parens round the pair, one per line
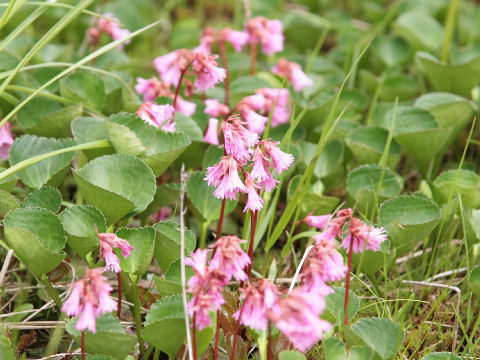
(203, 234)
(56, 337)
(449, 28)
(51, 291)
(136, 313)
(35, 159)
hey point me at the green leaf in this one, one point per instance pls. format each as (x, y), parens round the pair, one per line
(334, 302)
(79, 223)
(87, 129)
(334, 349)
(441, 356)
(474, 281)
(367, 145)
(370, 262)
(171, 284)
(421, 30)
(167, 248)
(46, 197)
(143, 242)
(165, 195)
(119, 185)
(463, 182)
(85, 87)
(36, 110)
(383, 336)
(37, 238)
(131, 135)
(27, 146)
(363, 186)
(298, 23)
(8, 202)
(201, 196)
(408, 219)
(458, 78)
(186, 125)
(110, 338)
(291, 355)
(398, 85)
(390, 50)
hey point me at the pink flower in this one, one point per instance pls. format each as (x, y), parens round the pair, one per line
(248, 107)
(109, 241)
(224, 176)
(171, 65)
(229, 257)
(293, 73)
(6, 140)
(161, 214)
(152, 88)
(237, 38)
(207, 72)
(362, 236)
(215, 108)
(254, 201)
(333, 228)
(90, 298)
(237, 139)
(211, 135)
(256, 123)
(185, 107)
(259, 298)
(206, 40)
(324, 263)
(110, 25)
(297, 317)
(261, 165)
(156, 115)
(317, 221)
(266, 32)
(278, 98)
(206, 286)
(281, 160)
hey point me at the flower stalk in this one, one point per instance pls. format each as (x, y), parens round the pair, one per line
(347, 284)
(136, 314)
(119, 303)
(83, 344)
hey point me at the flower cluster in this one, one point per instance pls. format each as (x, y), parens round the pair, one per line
(108, 242)
(293, 73)
(90, 297)
(109, 25)
(267, 33)
(228, 261)
(236, 38)
(6, 140)
(244, 151)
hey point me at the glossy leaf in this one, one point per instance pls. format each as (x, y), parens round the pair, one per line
(143, 242)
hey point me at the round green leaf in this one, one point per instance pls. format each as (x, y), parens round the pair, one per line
(391, 50)
(143, 242)
(79, 223)
(298, 23)
(398, 85)
(37, 238)
(463, 182)
(167, 248)
(408, 219)
(110, 338)
(474, 281)
(330, 161)
(201, 196)
(334, 302)
(367, 145)
(421, 30)
(172, 282)
(441, 356)
(7, 202)
(84, 86)
(118, 185)
(46, 197)
(87, 129)
(27, 146)
(291, 355)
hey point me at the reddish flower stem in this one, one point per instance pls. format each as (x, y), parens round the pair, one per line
(223, 54)
(83, 344)
(119, 303)
(177, 90)
(217, 337)
(253, 56)
(194, 335)
(237, 325)
(253, 225)
(347, 284)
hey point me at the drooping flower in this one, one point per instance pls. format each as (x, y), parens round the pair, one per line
(206, 40)
(224, 176)
(281, 160)
(206, 288)
(211, 135)
(261, 165)
(333, 228)
(248, 107)
(171, 65)
(6, 140)
(90, 298)
(108, 242)
(185, 107)
(161, 214)
(259, 298)
(293, 73)
(215, 109)
(362, 236)
(230, 258)
(110, 25)
(268, 33)
(297, 317)
(156, 115)
(237, 38)
(152, 88)
(208, 74)
(319, 221)
(254, 201)
(237, 139)
(277, 103)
